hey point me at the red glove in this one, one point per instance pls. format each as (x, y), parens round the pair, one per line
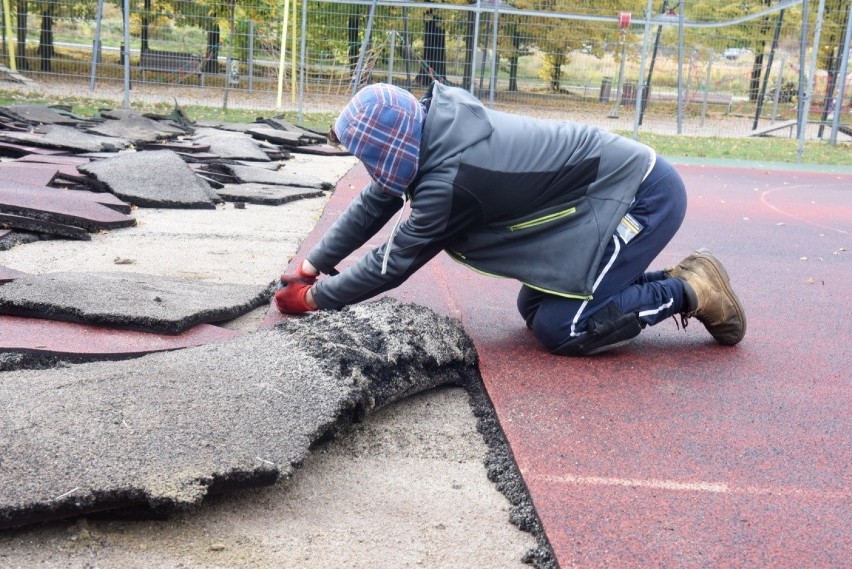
(291, 296)
(301, 274)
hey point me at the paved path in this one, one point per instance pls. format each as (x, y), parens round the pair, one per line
(676, 451)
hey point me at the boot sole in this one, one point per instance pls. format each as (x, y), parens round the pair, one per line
(705, 253)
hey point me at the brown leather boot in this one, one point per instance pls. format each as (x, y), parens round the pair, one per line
(711, 299)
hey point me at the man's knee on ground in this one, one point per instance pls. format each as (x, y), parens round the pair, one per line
(548, 329)
(608, 328)
(528, 303)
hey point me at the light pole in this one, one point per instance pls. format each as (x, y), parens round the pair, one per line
(623, 23)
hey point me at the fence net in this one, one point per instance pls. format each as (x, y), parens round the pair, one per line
(717, 67)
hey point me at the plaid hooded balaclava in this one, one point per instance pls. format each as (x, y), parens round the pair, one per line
(382, 126)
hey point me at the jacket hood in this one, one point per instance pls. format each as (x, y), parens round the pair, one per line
(456, 121)
(382, 126)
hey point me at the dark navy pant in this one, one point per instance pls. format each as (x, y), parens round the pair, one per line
(660, 205)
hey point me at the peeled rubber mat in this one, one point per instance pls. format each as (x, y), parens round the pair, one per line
(59, 206)
(39, 343)
(129, 301)
(265, 194)
(162, 431)
(155, 178)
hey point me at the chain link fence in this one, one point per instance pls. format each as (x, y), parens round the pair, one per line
(712, 68)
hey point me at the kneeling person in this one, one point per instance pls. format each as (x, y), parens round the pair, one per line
(574, 213)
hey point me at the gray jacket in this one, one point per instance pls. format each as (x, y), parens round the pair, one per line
(510, 196)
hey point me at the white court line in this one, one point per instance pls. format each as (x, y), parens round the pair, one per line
(764, 197)
(708, 487)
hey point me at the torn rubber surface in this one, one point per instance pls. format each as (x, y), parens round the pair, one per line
(156, 178)
(36, 343)
(163, 430)
(263, 194)
(130, 301)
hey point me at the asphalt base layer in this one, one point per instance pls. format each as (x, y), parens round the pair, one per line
(162, 431)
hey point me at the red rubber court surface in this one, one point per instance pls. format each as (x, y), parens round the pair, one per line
(675, 451)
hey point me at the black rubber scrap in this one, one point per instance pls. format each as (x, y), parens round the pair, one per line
(212, 125)
(162, 431)
(308, 136)
(41, 114)
(323, 150)
(174, 122)
(60, 206)
(276, 136)
(177, 146)
(66, 138)
(157, 178)
(131, 301)
(265, 194)
(33, 225)
(281, 177)
(231, 145)
(10, 238)
(135, 127)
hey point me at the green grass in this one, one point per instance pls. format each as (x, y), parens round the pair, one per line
(758, 149)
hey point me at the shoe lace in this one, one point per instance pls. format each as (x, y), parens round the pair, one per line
(684, 320)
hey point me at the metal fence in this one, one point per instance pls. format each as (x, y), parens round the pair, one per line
(715, 67)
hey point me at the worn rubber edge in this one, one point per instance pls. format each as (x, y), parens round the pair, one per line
(503, 472)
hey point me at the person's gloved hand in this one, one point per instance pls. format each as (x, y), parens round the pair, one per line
(291, 296)
(301, 274)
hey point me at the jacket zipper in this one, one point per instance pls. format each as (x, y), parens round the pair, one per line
(543, 219)
(461, 259)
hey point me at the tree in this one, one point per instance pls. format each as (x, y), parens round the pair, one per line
(514, 53)
(21, 57)
(762, 35)
(208, 15)
(467, 69)
(558, 39)
(45, 42)
(50, 10)
(753, 35)
(146, 14)
(830, 55)
(434, 48)
(354, 28)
